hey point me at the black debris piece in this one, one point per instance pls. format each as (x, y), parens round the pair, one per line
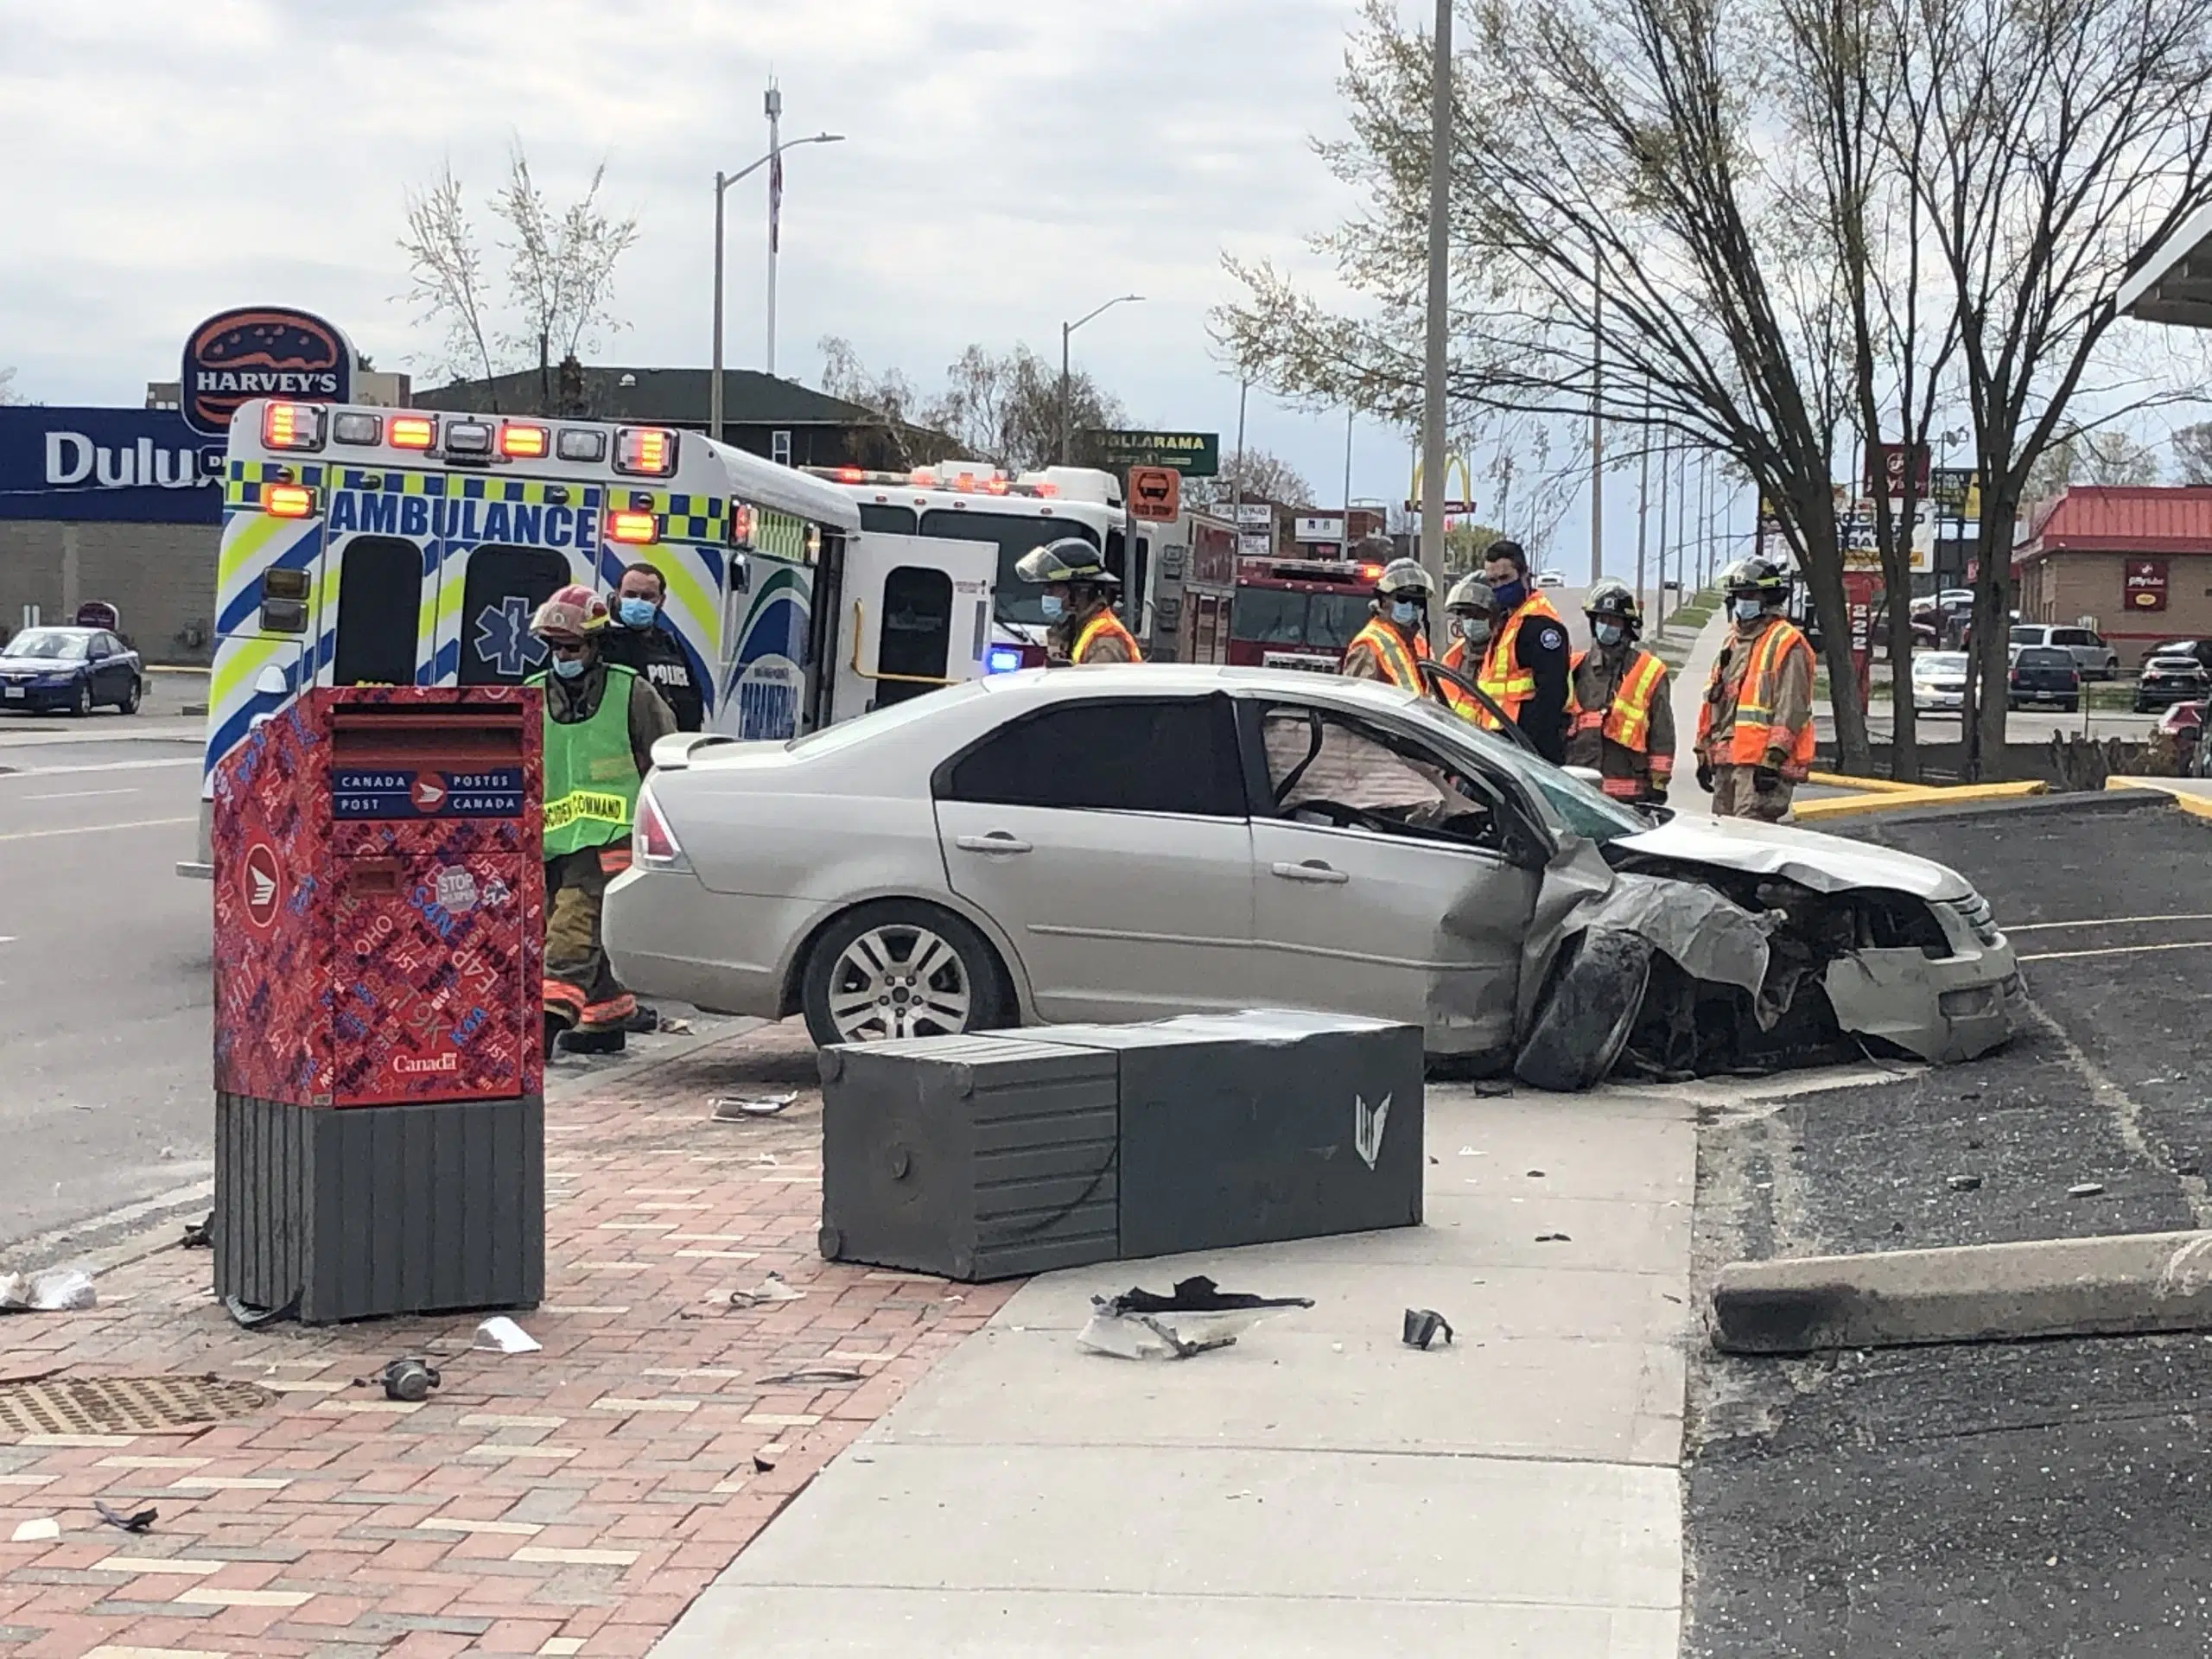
(136, 1521)
(1424, 1326)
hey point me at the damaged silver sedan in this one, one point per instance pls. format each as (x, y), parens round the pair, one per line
(1125, 843)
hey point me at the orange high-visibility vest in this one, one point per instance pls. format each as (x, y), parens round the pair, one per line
(1502, 678)
(1104, 623)
(1391, 650)
(1755, 736)
(1626, 720)
(1455, 657)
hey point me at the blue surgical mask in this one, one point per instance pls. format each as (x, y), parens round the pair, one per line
(1508, 594)
(1605, 633)
(1053, 607)
(1404, 613)
(568, 667)
(636, 613)
(1750, 610)
(1475, 630)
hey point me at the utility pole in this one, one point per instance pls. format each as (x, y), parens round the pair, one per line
(1067, 382)
(722, 181)
(1351, 416)
(1642, 493)
(1597, 422)
(1666, 458)
(774, 105)
(1237, 479)
(1433, 481)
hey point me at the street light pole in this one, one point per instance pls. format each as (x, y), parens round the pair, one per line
(1067, 333)
(1434, 413)
(722, 182)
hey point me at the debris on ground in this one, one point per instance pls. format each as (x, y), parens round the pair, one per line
(55, 1290)
(674, 1026)
(729, 1109)
(1492, 1089)
(249, 1317)
(2085, 1189)
(1424, 1326)
(763, 1466)
(136, 1521)
(501, 1335)
(1553, 1238)
(1197, 1317)
(1964, 1183)
(199, 1235)
(822, 1377)
(770, 1290)
(36, 1532)
(404, 1379)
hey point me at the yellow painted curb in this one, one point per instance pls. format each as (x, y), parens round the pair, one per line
(1870, 785)
(1845, 806)
(2190, 802)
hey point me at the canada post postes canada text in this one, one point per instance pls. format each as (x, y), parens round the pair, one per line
(375, 512)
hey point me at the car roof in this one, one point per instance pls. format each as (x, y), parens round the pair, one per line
(1191, 679)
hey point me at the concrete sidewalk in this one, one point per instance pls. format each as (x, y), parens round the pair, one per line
(1687, 697)
(1320, 1488)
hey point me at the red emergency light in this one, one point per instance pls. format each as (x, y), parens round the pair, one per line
(1370, 573)
(412, 432)
(632, 529)
(524, 442)
(292, 426)
(852, 475)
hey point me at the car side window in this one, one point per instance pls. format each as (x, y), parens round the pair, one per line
(2069, 637)
(1108, 754)
(1331, 769)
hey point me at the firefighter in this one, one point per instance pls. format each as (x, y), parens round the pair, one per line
(1755, 731)
(635, 638)
(1078, 604)
(1524, 668)
(1623, 724)
(1470, 610)
(601, 720)
(1392, 645)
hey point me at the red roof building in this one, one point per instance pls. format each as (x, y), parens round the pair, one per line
(2132, 561)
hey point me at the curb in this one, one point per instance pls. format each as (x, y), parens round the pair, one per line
(2189, 801)
(1891, 797)
(1864, 786)
(2117, 1285)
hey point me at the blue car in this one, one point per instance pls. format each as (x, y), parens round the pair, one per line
(70, 668)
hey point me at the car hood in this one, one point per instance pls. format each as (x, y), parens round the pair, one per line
(1824, 863)
(38, 664)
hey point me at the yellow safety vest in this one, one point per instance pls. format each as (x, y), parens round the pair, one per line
(1502, 678)
(1107, 623)
(1754, 732)
(1398, 661)
(1627, 720)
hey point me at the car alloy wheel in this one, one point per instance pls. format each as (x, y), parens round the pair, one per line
(900, 980)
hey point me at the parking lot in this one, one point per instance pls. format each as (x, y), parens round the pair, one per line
(2017, 1499)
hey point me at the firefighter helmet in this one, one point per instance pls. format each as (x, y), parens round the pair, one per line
(1471, 593)
(1070, 559)
(572, 615)
(1405, 576)
(1613, 598)
(1759, 579)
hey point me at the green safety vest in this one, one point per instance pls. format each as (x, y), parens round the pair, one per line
(591, 777)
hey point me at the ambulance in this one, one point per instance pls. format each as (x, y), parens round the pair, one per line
(410, 547)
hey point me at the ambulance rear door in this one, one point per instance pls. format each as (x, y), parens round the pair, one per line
(916, 615)
(501, 555)
(380, 580)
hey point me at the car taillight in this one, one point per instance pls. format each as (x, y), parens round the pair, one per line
(650, 835)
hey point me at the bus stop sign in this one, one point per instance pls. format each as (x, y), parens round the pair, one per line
(1155, 493)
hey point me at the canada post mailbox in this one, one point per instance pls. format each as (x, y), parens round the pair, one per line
(379, 919)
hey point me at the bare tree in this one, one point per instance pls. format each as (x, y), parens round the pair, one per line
(2193, 453)
(9, 395)
(889, 396)
(1257, 475)
(2080, 457)
(445, 267)
(560, 267)
(1005, 407)
(2069, 136)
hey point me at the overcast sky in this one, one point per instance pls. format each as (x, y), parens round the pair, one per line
(1007, 165)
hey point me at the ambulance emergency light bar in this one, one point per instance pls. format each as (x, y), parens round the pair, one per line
(976, 478)
(636, 451)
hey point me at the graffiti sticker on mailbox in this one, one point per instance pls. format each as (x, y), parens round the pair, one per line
(391, 792)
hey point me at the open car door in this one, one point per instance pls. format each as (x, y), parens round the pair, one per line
(917, 615)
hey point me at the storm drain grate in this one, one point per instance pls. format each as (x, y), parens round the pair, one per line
(123, 1405)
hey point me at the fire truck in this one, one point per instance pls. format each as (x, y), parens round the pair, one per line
(1299, 612)
(974, 501)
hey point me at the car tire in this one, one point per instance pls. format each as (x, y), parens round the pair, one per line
(851, 989)
(2071, 705)
(1589, 1007)
(81, 701)
(132, 697)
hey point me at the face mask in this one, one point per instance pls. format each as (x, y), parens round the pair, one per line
(1404, 613)
(1605, 633)
(1053, 607)
(1475, 630)
(1509, 593)
(1750, 610)
(636, 613)
(568, 667)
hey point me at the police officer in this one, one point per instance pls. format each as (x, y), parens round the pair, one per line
(636, 640)
(1755, 729)
(601, 721)
(1394, 640)
(1623, 725)
(1081, 630)
(1524, 668)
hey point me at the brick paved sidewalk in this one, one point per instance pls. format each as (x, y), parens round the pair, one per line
(569, 1502)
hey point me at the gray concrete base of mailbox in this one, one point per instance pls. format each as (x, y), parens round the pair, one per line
(2124, 1285)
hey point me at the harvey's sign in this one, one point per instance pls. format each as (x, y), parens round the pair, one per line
(121, 465)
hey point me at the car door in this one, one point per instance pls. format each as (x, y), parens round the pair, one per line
(1108, 838)
(111, 674)
(1389, 878)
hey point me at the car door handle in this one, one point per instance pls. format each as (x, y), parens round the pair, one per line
(1312, 870)
(999, 842)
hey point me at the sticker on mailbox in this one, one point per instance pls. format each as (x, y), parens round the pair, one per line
(396, 793)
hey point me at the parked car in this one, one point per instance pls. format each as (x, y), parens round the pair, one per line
(1124, 843)
(2181, 729)
(2170, 676)
(2096, 660)
(2200, 649)
(2043, 677)
(75, 670)
(1939, 681)
(1551, 578)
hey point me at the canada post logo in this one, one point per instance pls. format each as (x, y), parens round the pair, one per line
(261, 352)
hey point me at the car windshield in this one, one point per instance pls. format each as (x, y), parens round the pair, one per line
(1584, 810)
(1015, 534)
(51, 643)
(2045, 656)
(1276, 616)
(1936, 663)
(2027, 636)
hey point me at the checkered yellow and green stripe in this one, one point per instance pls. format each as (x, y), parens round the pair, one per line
(463, 486)
(242, 483)
(681, 517)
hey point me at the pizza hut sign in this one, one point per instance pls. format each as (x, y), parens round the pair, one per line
(2143, 588)
(261, 351)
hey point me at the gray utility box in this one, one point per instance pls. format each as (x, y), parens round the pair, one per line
(413, 1209)
(990, 1156)
(972, 1157)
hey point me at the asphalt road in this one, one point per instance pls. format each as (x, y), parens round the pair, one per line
(104, 968)
(2031, 1499)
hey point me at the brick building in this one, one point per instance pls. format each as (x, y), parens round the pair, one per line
(2137, 559)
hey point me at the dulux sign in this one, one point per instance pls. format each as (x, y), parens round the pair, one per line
(140, 466)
